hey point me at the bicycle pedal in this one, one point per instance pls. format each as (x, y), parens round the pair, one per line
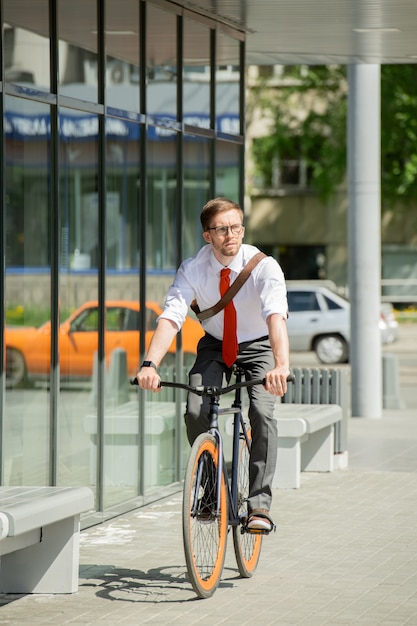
(255, 531)
(258, 531)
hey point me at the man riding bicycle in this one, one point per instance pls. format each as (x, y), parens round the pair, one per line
(250, 331)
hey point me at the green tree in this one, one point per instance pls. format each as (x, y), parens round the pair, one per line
(399, 133)
(309, 121)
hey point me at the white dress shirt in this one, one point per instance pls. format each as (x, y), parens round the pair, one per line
(263, 294)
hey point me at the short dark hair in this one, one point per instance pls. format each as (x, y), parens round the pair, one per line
(215, 206)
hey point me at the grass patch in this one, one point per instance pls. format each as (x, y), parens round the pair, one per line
(24, 316)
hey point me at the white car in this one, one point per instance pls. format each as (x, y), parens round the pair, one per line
(319, 321)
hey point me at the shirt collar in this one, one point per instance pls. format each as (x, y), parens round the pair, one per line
(235, 265)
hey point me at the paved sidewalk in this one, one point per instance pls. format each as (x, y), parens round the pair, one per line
(345, 552)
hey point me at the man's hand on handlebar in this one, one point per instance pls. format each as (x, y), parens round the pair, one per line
(148, 378)
(276, 381)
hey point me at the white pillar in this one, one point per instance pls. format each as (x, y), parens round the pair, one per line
(364, 238)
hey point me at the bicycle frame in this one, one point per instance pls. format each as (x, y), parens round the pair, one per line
(239, 431)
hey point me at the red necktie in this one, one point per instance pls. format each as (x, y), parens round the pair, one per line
(229, 345)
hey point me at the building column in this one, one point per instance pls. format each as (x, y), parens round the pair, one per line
(364, 238)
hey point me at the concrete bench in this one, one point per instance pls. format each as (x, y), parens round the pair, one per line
(39, 538)
(122, 442)
(305, 441)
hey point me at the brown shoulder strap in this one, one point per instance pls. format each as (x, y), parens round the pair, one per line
(231, 292)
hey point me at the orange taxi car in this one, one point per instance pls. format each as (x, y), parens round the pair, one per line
(28, 348)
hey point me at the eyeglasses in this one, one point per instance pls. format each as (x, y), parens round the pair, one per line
(221, 231)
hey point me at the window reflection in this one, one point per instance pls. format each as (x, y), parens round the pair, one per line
(77, 31)
(122, 60)
(30, 411)
(78, 188)
(162, 212)
(161, 57)
(196, 190)
(26, 53)
(27, 298)
(123, 312)
(27, 199)
(227, 84)
(196, 74)
(122, 201)
(78, 293)
(228, 157)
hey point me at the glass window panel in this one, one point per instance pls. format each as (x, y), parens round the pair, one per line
(160, 409)
(123, 316)
(27, 294)
(77, 32)
(122, 178)
(122, 58)
(26, 44)
(78, 336)
(227, 169)
(162, 195)
(227, 84)
(196, 190)
(161, 55)
(196, 88)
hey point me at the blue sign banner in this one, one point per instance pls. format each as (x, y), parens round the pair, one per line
(85, 126)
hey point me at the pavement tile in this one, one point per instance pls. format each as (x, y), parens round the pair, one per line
(345, 552)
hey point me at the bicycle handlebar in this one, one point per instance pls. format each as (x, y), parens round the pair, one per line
(208, 391)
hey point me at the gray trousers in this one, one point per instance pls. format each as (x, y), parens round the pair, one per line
(210, 369)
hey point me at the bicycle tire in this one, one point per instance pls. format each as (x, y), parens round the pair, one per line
(247, 546)
(204, 536)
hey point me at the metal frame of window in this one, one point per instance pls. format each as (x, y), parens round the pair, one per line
(55, 101)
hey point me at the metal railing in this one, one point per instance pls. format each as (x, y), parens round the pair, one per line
(322, 386)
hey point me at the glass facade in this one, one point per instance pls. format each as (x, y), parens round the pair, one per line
(120, 119)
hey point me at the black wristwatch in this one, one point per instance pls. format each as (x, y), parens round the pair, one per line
(149, 364)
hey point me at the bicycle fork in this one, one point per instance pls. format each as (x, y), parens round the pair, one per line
(239, 433)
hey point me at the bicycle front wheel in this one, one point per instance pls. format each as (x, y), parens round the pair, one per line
(204, 531)
(247, 545)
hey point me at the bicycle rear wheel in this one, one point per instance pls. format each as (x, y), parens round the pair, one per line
(247, 545)
(204, 532)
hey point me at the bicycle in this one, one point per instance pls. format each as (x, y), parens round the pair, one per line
(212, 502)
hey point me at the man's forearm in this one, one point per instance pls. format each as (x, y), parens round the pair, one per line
(162, 338)
(278, 337)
